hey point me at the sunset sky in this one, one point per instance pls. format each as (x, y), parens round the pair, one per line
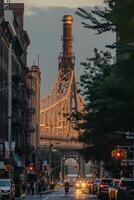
(44, 26)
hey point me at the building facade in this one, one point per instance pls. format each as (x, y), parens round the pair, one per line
(6, 36)
(34, 81)
(14, 94)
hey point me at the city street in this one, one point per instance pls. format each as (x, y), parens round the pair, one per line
(66, 99)
(59, 195)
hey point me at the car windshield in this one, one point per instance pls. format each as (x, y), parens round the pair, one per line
(106, 181)
(97, 180)
(128, 184)
(4, 183)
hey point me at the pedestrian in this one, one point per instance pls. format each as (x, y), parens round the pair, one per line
(32, 187)
(40, 188)
(28, 187)
(35, 187)
(66, 187)
(24, 186)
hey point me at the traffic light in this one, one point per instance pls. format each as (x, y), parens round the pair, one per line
(119, 154)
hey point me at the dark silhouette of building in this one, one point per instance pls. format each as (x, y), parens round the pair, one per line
(13, 55)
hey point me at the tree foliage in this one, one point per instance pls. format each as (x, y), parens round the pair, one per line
(108, 88)
(117, 16)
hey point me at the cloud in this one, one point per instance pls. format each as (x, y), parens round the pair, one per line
(57, 3)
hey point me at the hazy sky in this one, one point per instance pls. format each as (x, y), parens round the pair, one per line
(60, 3)
(44, 26)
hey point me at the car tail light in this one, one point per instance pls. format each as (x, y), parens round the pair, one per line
(102, 186)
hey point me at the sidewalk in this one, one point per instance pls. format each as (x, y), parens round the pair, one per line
(44, 192)
(23, 195)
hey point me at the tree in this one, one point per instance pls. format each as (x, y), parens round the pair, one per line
(117, 16)
(107, 88)
(99, 117)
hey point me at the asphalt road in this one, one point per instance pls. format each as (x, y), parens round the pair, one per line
(60, 195)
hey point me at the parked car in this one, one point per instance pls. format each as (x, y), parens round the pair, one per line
(113, 189)
(7, 188)
(125, 189)
(103, 188)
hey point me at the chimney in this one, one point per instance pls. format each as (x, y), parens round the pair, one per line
(67, 36)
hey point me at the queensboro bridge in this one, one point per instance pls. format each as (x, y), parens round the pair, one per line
(62, 100)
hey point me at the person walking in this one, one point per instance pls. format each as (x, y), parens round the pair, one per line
(66, 186)
(32, 187)
(40, 188)
(28, 187)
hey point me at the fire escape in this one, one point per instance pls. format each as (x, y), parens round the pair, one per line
(31, 109)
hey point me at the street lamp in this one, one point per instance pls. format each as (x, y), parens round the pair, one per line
(51, 149)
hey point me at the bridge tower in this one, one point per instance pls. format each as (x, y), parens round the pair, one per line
(63, 99)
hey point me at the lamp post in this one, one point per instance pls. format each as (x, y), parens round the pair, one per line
(10, 105)
(51, 149)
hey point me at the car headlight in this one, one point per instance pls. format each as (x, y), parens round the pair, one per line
(83, 185)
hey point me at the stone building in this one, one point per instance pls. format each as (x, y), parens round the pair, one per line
(14, 94)
(34, 81)
(6, 37)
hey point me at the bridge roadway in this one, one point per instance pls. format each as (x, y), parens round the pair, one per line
(59, 195)
(60, 143)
